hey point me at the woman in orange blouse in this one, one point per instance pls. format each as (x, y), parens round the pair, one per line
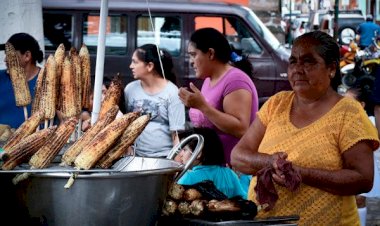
(328, 140)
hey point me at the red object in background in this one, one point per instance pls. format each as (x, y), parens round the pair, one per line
(344, 49)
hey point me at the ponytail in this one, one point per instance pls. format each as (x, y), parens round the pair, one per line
(243, 63)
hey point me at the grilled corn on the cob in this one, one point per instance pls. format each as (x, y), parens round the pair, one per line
(59, 56)
(18, 77)
(67, 90)
(77, 73)
(112, 96)
(49, 98)
(25, 129)
(27, 147)
(129, 136)
(45, 155)
(84, 56)
(101, 143)
(70, 155)
(38, 91)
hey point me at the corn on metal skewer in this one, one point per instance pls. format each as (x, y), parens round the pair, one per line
(45, 155)
(112, 96)
(129, 136)
(101, 143)
(59, 56)
(26, 148)
(38, 91)
(18, 78)
(49, 98)
(75, 149)
(25, 129)
(67, 90)
(84, 56)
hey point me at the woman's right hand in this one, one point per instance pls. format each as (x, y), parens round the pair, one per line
(191, 97)
(278, 175)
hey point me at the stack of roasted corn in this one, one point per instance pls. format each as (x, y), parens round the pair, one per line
(103, 144)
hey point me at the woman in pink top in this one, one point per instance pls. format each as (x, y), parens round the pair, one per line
(228, 100)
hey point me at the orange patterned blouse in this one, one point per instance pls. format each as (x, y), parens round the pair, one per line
(318, 145)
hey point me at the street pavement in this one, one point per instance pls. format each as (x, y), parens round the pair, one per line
(373, 204)
(373, 212)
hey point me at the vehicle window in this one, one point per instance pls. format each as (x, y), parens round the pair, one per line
(234, 30)
(57, 29)
(116, 34)
(166, 33)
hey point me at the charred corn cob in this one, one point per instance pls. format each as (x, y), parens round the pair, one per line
(49, 92)
(67, 90)
(5, 132)
(77, 73)
(59, 56)
(112, 96)
(101, 143)
(25, 129)
(84, 56)
(27, 147)
(38, 91)
(45, 155)
(129, 136)
(18, 77)
(70, 155)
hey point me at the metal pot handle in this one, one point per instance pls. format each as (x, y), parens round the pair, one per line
(176, 149)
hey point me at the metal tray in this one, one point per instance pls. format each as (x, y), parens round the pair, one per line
(272, 221)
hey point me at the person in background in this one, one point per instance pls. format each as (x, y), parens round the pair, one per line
(210, 164)
(362, 96)
(86, 114)
(375, 98)
(155, 92)
(366, 32)
(228, 100)
(300, 30)
(314, 147)
(29, 53)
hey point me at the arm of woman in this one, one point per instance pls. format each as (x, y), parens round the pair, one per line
(245, 157)
(175, 138)
(235, 119)
(356, 176)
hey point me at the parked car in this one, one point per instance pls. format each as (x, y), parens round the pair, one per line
(297, 23)
(74, 22)
(348, 21)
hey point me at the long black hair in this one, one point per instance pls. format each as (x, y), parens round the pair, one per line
(24, 42)
(148, 53)
(327, 48)
(210, 38)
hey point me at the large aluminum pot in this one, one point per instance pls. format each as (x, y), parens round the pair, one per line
(133, 196)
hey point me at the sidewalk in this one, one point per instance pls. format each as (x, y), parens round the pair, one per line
(373, 204)
(373, 212)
